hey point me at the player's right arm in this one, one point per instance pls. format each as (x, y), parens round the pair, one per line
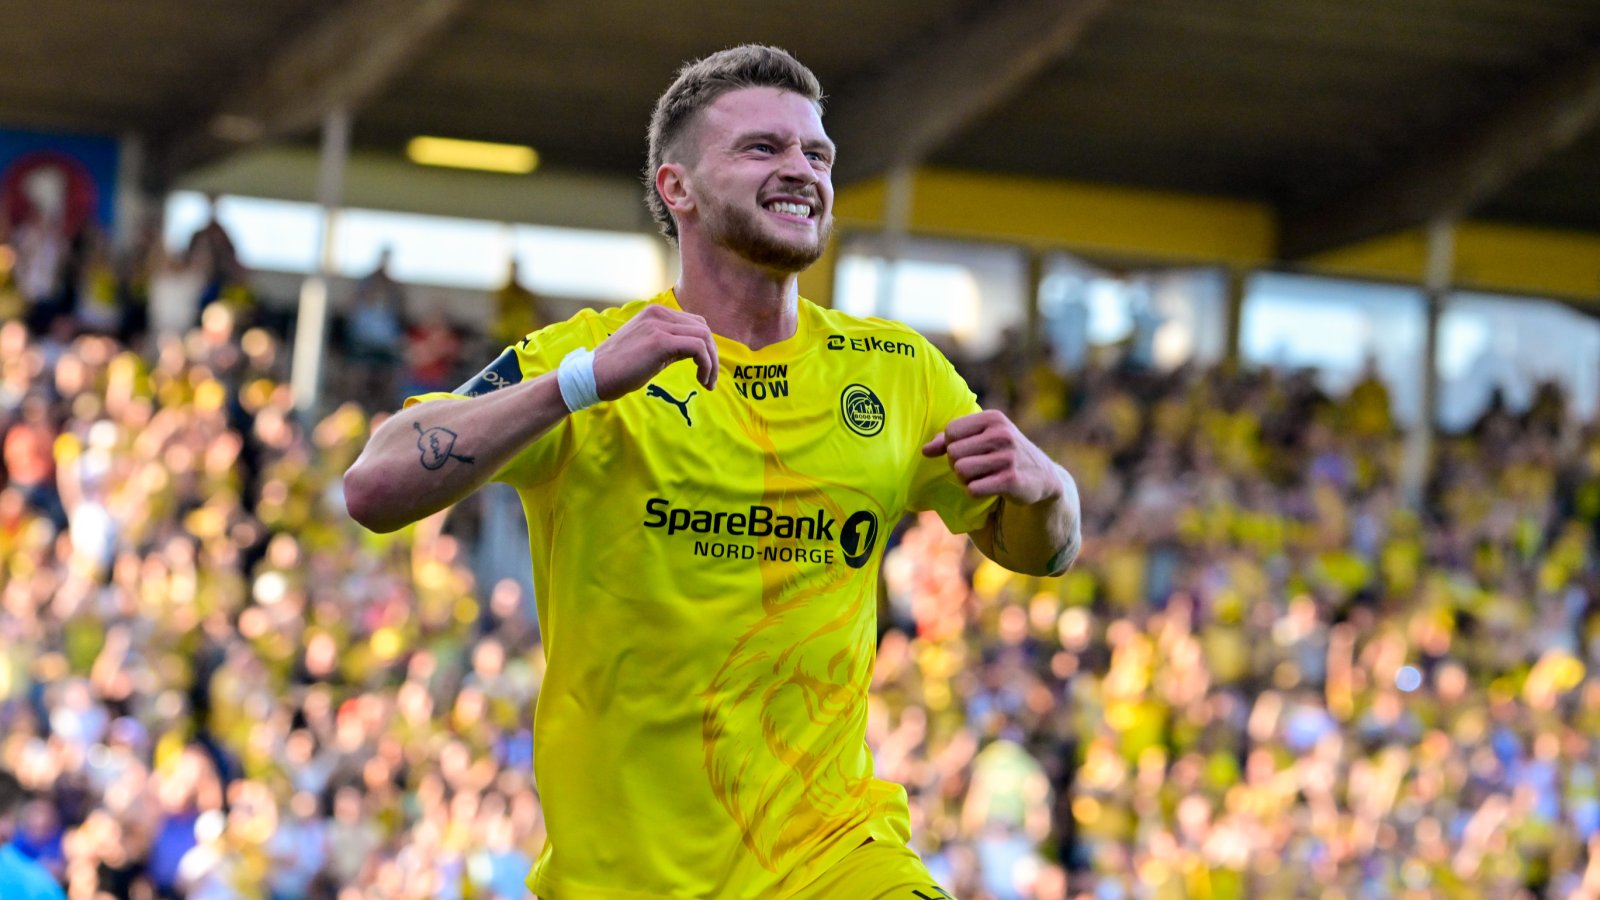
(435, 454)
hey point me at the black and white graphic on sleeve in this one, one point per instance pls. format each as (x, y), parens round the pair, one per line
(505, 371)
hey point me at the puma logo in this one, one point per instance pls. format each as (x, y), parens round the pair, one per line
(682, 405)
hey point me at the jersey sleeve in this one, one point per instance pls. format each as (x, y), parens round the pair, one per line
(934, 484)
(529, 358)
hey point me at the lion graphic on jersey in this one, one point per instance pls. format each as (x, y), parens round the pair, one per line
(804, 668)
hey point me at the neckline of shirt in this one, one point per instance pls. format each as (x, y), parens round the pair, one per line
(788, 348)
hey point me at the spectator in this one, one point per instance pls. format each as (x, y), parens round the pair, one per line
(433, 353)
(176, 286)
(42, 239)
(29, 455)
(21, 877)
(516, 311)
(211, 251)
(373, 336)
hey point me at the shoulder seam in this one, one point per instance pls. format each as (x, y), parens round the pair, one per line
(843, 319)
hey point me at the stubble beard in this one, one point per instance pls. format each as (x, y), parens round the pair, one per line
(740, 230)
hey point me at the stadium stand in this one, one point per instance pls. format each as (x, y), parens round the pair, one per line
(1274, 671)
(1264, 672)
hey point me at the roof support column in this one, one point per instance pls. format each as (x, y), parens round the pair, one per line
(1436, 288)
(311, 325)
(900, 192)
(1033, 345)
(1238, 280)
(134, 201)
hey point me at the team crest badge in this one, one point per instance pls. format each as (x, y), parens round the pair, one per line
(862, 410)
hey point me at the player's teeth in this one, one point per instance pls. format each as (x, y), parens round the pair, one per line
(792, 209)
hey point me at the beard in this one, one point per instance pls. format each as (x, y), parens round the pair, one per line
(740, 229)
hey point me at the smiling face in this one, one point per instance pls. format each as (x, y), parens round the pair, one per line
(761, 184)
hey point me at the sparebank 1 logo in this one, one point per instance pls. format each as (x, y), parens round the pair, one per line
(857, 538)
(812, 538)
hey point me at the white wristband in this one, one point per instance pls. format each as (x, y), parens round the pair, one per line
(576, 378)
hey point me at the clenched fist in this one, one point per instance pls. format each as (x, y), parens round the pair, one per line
(993, 458)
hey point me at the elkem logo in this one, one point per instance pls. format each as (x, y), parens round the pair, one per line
(862, 410)
(857, 538)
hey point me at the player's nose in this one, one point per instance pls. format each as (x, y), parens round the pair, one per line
(796, 168)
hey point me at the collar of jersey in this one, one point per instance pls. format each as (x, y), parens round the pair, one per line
(730, 349)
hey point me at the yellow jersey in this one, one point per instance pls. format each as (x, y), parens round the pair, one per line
(706, 564)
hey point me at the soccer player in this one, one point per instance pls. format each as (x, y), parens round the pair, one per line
(709, 478)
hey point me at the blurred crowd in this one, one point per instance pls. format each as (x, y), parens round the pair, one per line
(1267, 676)
(214, 684)
(64, 277)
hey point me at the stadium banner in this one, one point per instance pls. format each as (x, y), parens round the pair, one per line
(71, 175)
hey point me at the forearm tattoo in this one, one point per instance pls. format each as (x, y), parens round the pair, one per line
(1064, 557)
(438, 447)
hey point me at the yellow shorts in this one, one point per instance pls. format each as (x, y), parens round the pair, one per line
(876, 871)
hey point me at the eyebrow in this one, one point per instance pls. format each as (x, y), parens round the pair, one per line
(777, 138)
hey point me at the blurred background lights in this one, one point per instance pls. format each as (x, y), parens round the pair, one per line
(511, 159)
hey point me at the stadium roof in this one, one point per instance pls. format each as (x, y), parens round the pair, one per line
(1350, 117)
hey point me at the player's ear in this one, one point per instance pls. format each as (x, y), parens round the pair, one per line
(672, 183)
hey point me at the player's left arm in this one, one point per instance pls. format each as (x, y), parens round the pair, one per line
(1034, 527)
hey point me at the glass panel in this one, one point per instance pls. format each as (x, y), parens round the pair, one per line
(1338, 328)
(1490, 343)
(466, 253)
(600, 265)
(1165, 317)
(971, 292)
(277, 235)
(272, 234)
(1193, 308)
(185, 214)
(282, 236)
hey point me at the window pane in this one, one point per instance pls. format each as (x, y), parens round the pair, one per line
(971, 292)
(1337, 327)
(277, 235)
(1178, 315)
(1489, 342)
(272, 234)
(597, 265)
(283, 236)
(468, 253)
(1193, 307)
(185, 214)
